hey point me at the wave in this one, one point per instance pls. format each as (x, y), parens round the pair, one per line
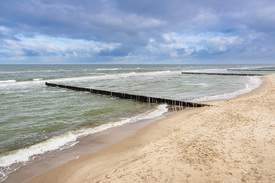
(33, 71)
(8, 81)
(253, 83)
(12, 83)
(83, 78)
(114, 76)
(246, 67)
(16, 159)
(207, 70)
(37, 79)
(110, 69)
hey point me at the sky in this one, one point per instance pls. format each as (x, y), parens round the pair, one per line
(137, 31)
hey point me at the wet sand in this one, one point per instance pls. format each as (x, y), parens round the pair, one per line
(231, 141)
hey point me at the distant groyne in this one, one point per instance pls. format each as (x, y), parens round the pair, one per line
(139, 98)
(225, 74)
(267, 69)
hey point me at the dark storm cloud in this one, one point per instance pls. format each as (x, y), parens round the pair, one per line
(179, 29)
(96, 20)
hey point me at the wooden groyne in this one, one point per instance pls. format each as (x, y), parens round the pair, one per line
(251, 69)
(139, 98)
(225, 74)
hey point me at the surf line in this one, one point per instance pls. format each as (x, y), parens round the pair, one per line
(139, 98)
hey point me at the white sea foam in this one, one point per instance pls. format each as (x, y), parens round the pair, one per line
(14, 160)
(37, 79)
(253, 83)
(207, 70)
(24, 155)
(147, 115)
(64, 141)
(30, 71)
(198, 84)
(14, 83)
(8, 81)
(108, 69)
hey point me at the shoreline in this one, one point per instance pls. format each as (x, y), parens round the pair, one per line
(101, 144)
(86, 145)
(238, 146)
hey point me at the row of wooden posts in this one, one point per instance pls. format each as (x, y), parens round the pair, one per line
(139, 98)
(228, 74)
(267, 69)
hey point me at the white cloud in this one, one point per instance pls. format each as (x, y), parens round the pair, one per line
(4, 29)
(178, 45)
(46, 45)
(202, 41)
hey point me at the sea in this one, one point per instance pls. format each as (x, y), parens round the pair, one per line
(36, 119)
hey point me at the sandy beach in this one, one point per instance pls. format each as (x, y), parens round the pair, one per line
(231, 141)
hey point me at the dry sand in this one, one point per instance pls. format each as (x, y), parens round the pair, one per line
(232, 141)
